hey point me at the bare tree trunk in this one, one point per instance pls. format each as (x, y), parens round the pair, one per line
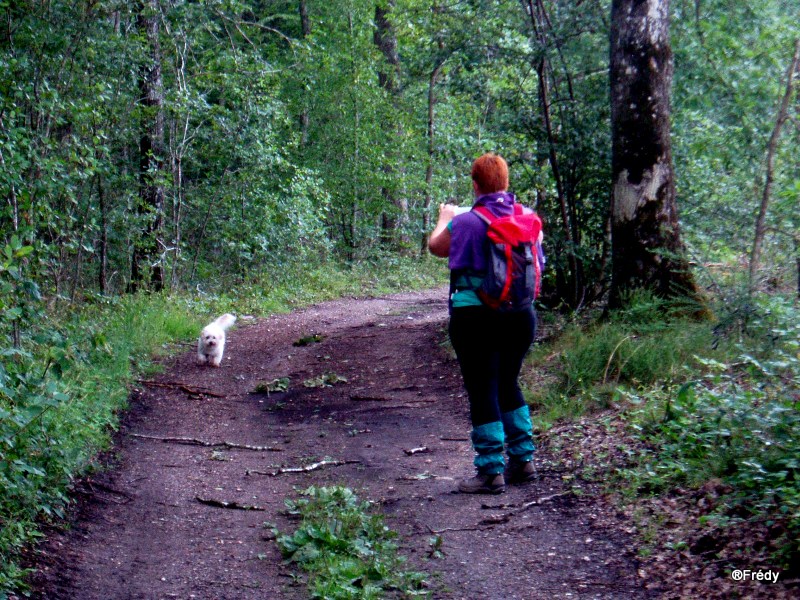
(146, 258)
(426, 208)
(355, 209)
(305, 29)
(13, 204)
(646, 246)
(102, 276)
(544, 101)
(783, 114)
(797, 262)
(542, 39)
(392, 223)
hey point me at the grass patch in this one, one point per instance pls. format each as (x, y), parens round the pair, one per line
(635, 348)
(345, 548)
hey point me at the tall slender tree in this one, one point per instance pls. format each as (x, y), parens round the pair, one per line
(772, 147)
(151, 153)
(646, 244)
(395, 213)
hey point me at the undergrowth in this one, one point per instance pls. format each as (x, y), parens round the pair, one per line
(65, 381)
(346, 548)
(703, 402)
(648, 343)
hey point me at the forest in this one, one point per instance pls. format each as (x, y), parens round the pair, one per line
(165, 160)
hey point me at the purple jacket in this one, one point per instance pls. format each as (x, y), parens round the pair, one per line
(469, 246)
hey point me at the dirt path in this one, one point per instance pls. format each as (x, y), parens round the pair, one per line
(140, 531)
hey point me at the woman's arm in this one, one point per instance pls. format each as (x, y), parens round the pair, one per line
(439, 242)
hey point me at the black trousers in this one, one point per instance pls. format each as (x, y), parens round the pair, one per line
(490, 347)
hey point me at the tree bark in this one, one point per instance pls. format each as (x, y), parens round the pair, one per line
(305, 30)
(426, 208)
(394, 219)
(146, 260)
(646, 247)
(772, 148)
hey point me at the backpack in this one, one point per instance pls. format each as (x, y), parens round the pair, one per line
(513, 276)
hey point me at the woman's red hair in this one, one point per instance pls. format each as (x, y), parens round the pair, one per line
(490, 172)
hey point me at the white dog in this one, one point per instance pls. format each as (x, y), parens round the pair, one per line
(211, 344)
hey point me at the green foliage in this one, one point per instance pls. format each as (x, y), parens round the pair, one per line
(635, 348)
(324, 380)
(703, 401)
(59, 395)
(61, 390)
(346, 549)
(737, 421)
(730, 67)
(280, 384)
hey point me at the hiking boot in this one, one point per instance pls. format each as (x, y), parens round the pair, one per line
(483, 484)
(521, 472)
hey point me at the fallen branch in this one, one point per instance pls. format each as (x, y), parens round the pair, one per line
(496, 519)
(94, 484)
(196, 442)
(192, 391)
(422, 476)
(540, 501)
(490, 522)
(447, 529)
(454, 439)
(369, 399)
(413, 451)
(231, 505)
(308, 468)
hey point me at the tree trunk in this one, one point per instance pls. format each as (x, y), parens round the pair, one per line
(394, 219)
(783, 115)
(102, 276)
(305, 30)
(426, 208)
(646, 246)
(797, 263)
(146, 258)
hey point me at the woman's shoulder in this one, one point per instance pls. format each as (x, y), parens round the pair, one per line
(467, 219)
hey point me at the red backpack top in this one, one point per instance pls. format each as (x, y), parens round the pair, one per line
(514, 272)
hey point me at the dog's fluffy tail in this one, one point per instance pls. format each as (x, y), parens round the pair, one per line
(225, 321)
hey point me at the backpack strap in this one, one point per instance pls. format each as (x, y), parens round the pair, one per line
(489, 217)
(485, 214)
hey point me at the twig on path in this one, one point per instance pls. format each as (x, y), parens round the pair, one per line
(231, 505)
(192, 391)
(491, 521)
(422, 476)
(196, 442)
(454, 439)
(526, 505)
(313, 467)
(93, 488)
(405, 388)
(447, 529)
(413, 451)
(356, 398)
(540, 501)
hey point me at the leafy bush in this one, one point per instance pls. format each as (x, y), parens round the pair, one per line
(347, 551)
(59, 395)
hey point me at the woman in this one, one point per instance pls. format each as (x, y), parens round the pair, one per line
(490, 345)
